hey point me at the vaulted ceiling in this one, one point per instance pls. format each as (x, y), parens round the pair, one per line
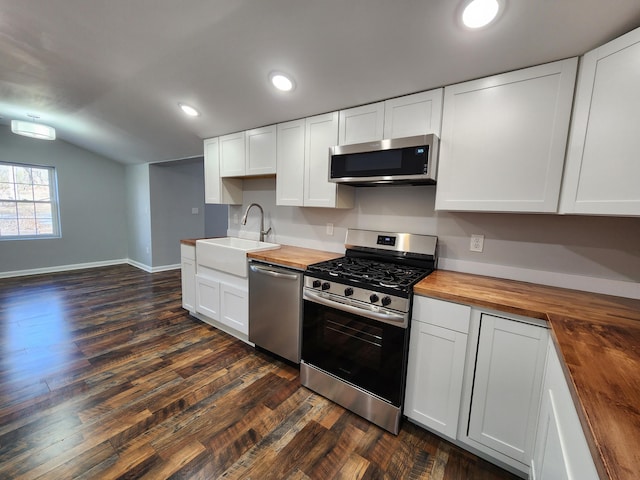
(108, 74)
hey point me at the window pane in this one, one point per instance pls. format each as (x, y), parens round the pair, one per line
(44, 226)
(26, 210)
(7, 191)
(8, 228)
(8, 210)
(25, 192)
(6, 173)
(23, 174)
(43, 211)
(40, 176)
(41, 193)
(27, 226)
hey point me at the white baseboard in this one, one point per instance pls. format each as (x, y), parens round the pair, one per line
(82, 266)
(618, 288)
(62, 268)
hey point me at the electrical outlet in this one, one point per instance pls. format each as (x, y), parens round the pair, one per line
(329, 228)
(477, 243)
(194, 211)
(235, 218)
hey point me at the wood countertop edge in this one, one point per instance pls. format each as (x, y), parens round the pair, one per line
(599, 457)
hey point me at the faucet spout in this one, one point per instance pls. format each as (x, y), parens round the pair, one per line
(262, 230)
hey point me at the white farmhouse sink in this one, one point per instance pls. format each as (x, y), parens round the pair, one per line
(229, 254)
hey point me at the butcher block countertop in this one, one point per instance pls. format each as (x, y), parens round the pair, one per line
(597, 337)
(295, 257)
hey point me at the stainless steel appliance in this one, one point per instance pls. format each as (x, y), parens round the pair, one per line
(409, 160)
(275, 309)
(355, 327)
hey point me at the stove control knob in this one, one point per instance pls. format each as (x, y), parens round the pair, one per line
(348, 292)
(326, 286)
(374, 298)
(386, 301)
(316, 283)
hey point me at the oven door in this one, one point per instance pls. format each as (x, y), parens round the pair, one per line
(367, 353)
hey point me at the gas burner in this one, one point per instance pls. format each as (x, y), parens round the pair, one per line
(371, 272)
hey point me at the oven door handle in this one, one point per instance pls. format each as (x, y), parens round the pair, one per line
(386, 317)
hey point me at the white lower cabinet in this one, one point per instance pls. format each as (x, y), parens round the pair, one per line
(438, 345)
(188, 277)
(561, 450)
(502, 396)
(234, 308)
(223, 298)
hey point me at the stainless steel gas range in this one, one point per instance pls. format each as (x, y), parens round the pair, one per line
(356, 322)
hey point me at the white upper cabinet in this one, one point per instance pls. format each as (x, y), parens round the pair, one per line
(261, 151)
(232, 155)
(503, 140)
(321, 132)
(603, 168)
(216, 189)
(248, 153)
(416, 114)
(361, 124)
(290, 165)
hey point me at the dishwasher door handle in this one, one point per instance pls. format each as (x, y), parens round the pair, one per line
(273, 273)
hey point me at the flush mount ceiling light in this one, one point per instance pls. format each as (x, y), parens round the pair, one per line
(479, 13)
(32, 129)
(189, 110)
(281, 81)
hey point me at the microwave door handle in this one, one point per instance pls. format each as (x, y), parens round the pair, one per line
(386, 317)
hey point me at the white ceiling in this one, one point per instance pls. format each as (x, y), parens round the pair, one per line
(108, 74)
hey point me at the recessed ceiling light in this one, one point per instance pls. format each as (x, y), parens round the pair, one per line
(479, 13)
(189, 110)
(281, 81)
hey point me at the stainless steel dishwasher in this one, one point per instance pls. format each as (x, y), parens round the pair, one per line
(275, 309)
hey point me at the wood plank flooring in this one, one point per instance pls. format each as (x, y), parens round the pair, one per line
(104, 376)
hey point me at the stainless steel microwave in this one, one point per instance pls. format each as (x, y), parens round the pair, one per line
(409, 160)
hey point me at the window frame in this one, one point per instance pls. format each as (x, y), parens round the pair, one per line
(53, 201)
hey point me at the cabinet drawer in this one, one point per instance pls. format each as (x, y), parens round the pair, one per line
(441, 313)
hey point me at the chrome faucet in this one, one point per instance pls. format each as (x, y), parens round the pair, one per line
(262, 230)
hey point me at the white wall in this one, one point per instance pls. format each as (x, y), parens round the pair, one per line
(91, 191)
(584, 252)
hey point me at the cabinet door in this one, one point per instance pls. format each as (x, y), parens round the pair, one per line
(217, 190)
(561, 449)
(411, 115)
(321, 132)
(232, 155)
(507, 386)
(290, 163)
(234, 308)
(503, 140)
(361, 124)
(434, 377)
(261, 151)
(602, 171)
(208, 297)
(188, 277)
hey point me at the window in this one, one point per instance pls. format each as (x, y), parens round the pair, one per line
(28, 202)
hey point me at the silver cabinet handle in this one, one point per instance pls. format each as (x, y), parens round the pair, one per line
(273, 273)
(386, 316)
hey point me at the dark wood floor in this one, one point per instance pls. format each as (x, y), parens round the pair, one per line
(104, 375)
